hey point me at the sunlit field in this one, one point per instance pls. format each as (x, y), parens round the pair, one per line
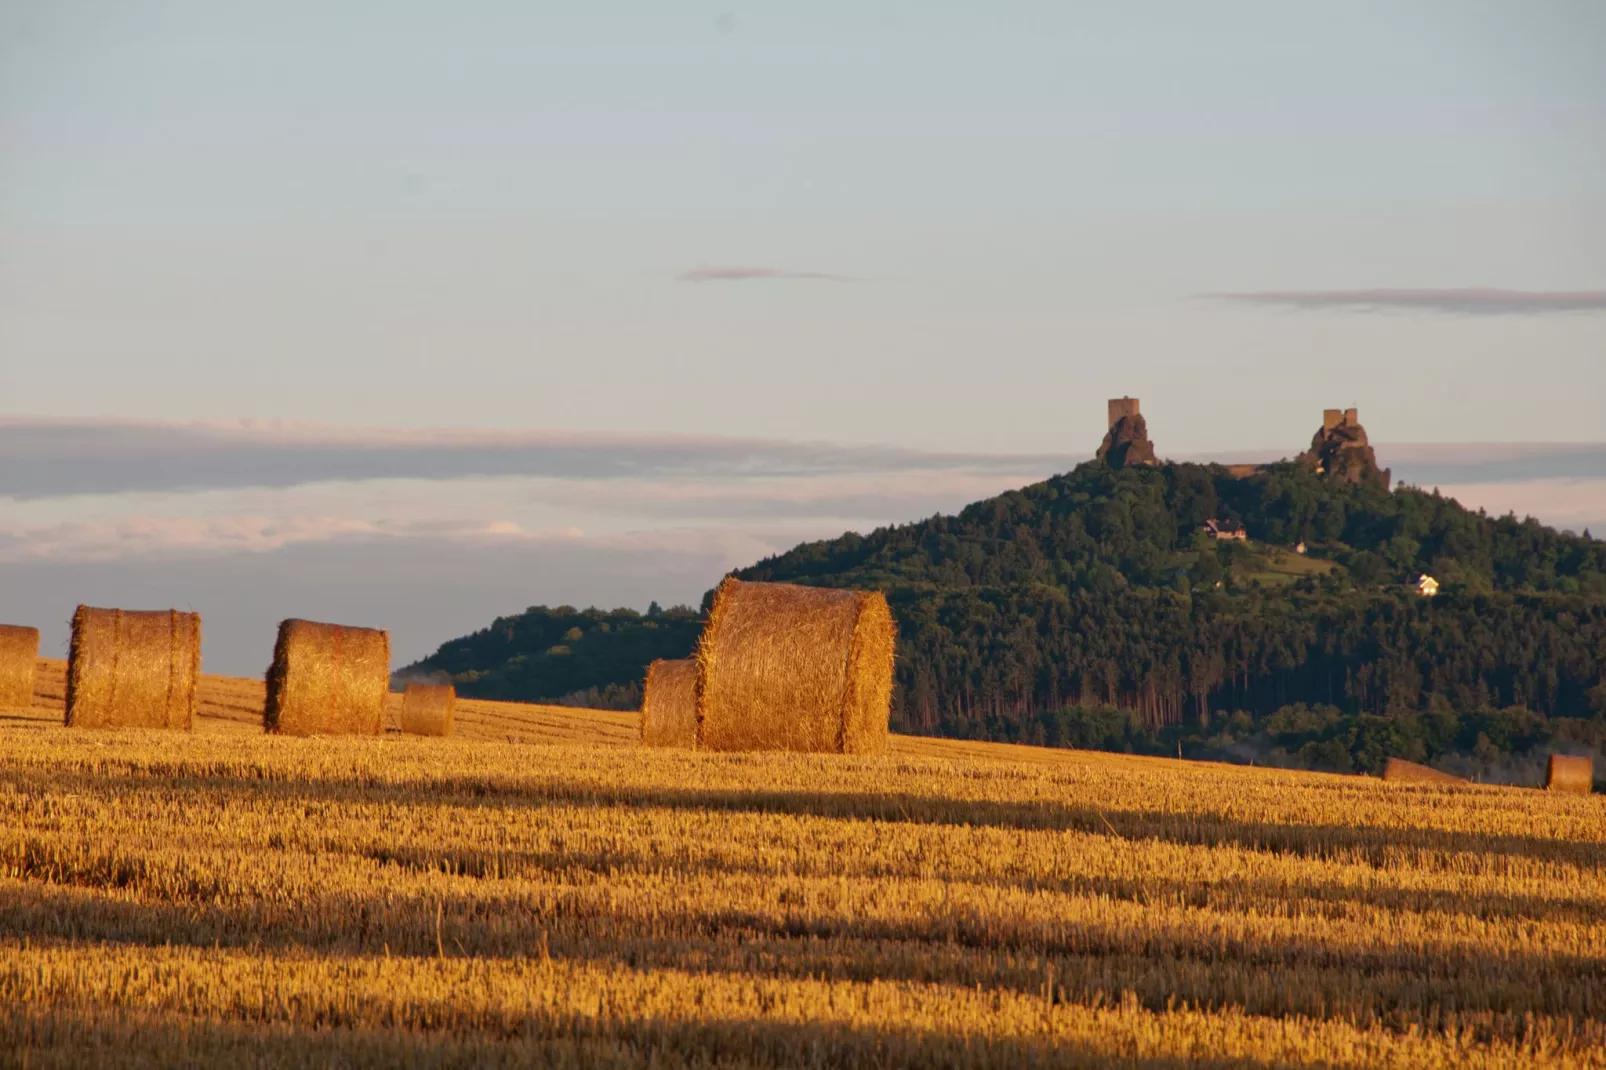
(538, 890)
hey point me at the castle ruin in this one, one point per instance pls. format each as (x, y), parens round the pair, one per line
(1334, 418)
(1340, 451)
(1126, 443)
(1120, 409)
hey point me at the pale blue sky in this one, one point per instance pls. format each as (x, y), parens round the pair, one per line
(475, 214)
(922, 227)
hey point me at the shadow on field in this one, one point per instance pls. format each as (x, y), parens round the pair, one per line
(1371, 845)
(1092, 959)
(65, 1037)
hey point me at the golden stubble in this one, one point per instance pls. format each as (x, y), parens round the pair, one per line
(571, 898)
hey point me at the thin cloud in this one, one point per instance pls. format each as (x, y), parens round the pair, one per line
(54, 458)
(469, 511)
(752, 274)
(1474, 301)
(142, 537)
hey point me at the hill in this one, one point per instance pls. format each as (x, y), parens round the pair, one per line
(1091, 610)
(565, 655)
(223, 898)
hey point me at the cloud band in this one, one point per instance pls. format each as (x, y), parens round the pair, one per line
(754, 274)
(1474, 301)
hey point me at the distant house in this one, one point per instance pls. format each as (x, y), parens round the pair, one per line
(1425, 585)
(1299, 548)
(1225, 529)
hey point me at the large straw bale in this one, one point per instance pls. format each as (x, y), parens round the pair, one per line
(1399, 771)
(133, 669)
(327, 679)
(428, 709)
(1570, 774)
(19, 651)
(669, 704)
(785, 667)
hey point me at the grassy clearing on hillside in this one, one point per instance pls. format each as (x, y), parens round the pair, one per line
(230, 897)
(1263, 563)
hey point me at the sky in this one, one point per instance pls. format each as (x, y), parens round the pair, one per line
(411, 314)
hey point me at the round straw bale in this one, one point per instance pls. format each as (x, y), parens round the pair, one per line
(327, 679)
(19, 652)
(1570, 774)
(785, 667)
(1399, 771)
(133, 669)
(427, 709)
(669, 704)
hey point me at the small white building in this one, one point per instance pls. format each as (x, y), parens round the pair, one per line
(1225, 529)
(1299, 548)
(1425, 585)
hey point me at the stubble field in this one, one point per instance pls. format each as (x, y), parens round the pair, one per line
(539, 891)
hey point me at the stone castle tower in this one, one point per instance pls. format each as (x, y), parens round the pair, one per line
(1336, 418)
(1126, 442)
(1340, 451)
(1120, 409)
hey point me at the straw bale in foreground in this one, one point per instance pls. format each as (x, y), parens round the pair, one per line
(428, 709)
(1403, 772)
(1570, 774)
(133, 669)
(669, 704)
(19, 651)
(785, 667)
(327, 679)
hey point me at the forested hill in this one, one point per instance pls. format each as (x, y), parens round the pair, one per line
(586, 657)
(1098, 528)
(1092, 609)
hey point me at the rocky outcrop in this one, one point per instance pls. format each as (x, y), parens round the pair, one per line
(1341, 453)
(1126, 444)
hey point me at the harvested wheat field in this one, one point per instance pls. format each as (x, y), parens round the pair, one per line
(1397, 770)
(539, 889)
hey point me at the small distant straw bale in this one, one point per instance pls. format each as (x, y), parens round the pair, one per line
(327, 679)
(786, 667)
(1571, 774)
(1402, 772)
(19, 651)
(133, 669)
(428, 709)
(669, 704)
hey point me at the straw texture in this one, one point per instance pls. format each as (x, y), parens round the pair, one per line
(786, 667)
(669, 704)
(1573, 775)
(327, 680)
(428, 709)
(133, 669)
(19, 651)
(1403, 772)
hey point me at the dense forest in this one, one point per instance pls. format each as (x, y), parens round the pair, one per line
(1092, 610)
(563, 655)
